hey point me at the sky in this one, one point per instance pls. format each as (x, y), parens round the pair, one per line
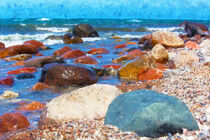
(106, 9)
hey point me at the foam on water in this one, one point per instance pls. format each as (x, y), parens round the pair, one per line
(53, 29)
(43, 19)
(91, 39)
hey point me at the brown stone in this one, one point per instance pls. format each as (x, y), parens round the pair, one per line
(84, 30)
(19, 57)
(123, 58)
(150, 74)
(97, 51)
(61, 51)
(137, 53)
(7, 81)
(19, 63)
(40, 86)
(2, 46)
(73, 54)
(112, 66)
(86, 60)
(120, 46)
(36, 43)
(22, 70)
(191, 45)
(159, 53)
(33, 106)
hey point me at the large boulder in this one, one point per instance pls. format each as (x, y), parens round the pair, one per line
(68, 38)
(88, 102)
(150, 114)
(84, 30)
(41, 61)
(167, 39)
(18, 49)
(2, 46)
(63, 75)
(159, 53)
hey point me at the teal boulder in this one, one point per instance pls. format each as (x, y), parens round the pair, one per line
(150, 114)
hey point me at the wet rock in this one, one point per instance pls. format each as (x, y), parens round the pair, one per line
(131, 70)
(84, 103)
(150, 74)
(150, 114)
(25, 76)
(146, 41)
(39, 54)
(22, 70)
(84, 30)
(131, 43)
(2, 46)
(19, 63)
(7, 81)
(184, 58)
(116, 67)
(86, 60)
(33, 106)
(19, 57)
(123, 58)
(18, 49)
(36, 43)
(191, 45)
(12, 122)
(116, 37)
(61, 51)
(40, 86)
(120, 46)
(194, 28)
(136, 53)
(9, 94)
(54, 37)
(159, 53)
(62, 75)
(167, 39)
(105, 71)
(70, 39)
(73, 54)
(41, 61)
(97, 51)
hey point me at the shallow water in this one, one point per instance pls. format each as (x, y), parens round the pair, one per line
(16, 31)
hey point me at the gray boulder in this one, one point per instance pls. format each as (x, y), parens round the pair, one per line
(84, 30)
(149, 113)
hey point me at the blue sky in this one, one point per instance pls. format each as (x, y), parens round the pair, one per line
(106, 9)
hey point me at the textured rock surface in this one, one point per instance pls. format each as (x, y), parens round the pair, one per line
(73, 54)
(168, 39)
(149, 113)
(84, 30)
(62, 51)
(88, 102)
(97, 51)
(86, 60)
(159, 53)
(62, 75)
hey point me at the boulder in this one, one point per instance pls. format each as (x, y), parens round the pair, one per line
(22, 70)
(13, 121)
(86, 60)
(19, 57)
(150, 114)
(61, 51)
(18, 49)
(159, 53)
(41, 61)
(73, 54)
(36, 43)
(62, 75)
(184, 58)
(95, 51)
(2, 46)
(84, 30)
(167, 39)
(70, 39)
(84, 103)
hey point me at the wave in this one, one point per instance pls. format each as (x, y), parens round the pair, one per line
(44, 19)
(135, 20)
(53, 29)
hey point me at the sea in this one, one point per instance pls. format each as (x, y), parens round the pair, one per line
(16, 31)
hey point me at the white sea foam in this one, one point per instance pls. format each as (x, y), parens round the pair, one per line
(129, 36)
(53, 29)
(92, 38)
(164, 29)
(135, 20)
(44, 19)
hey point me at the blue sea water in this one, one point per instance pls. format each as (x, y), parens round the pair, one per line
(16, 31)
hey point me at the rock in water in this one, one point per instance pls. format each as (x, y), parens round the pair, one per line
(149, 114)
(62, 75)
(88, 102)
(84, 30)
(25, 76)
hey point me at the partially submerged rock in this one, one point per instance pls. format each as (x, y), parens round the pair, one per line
(84, 30)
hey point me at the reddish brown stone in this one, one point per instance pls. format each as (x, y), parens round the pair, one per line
(36, 43)
(123, 58)
(150, 74)
(13, 121)
(33, 106)
(19, 63)
(18, 49)
(40, 86)
(112, 66)
(86, 60)
(22, 70)
(137, 53)
(39, 54)
(61, 51)
(2, 46)
(73, 54)
(131, 43)
(120, 46)
(191, 45)
(97, 51)
(7, 81)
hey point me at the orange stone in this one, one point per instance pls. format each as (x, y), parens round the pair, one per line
(136, 52)
(73, 54)
(131, 43)
(192, 45)
(112, 66)
(12, 122)
(35, 105)
(38, 54)
(150, 74)
(40, 86)
(97, 51)
(120, 46)
(19, 63)
(86, 60)
(36, 43)
(22, 70)
(61, 51)
(2, 46)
